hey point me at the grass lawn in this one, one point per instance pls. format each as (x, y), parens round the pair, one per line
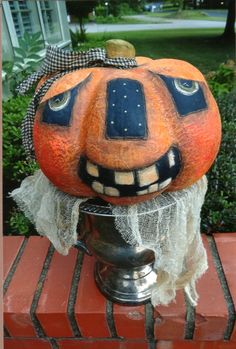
(186, 14)
(201, 47)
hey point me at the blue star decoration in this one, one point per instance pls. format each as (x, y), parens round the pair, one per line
(126, 111)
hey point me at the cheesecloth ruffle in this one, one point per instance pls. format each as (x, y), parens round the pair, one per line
(168, 224)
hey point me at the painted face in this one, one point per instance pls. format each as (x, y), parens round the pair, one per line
(127, 135)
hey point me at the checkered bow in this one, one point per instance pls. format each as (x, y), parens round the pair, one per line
(60, 62)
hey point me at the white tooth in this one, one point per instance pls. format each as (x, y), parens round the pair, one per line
(111, 191)
(124, 178)
(92, 169)
(148, 175)
(142, 192)
(165, 183)
(98, 187)
(171, 157)
(153, 188)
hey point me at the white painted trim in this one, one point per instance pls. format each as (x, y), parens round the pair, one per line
(60, 20)
(41, 22)
(64, 43)
(10, 23)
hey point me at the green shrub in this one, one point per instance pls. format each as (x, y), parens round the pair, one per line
(125, 9)
(77, 38)
(223, 80)
(19, 224)
(100, 11)
(108, 20)
(26, 60)
(219, 210)
(15, 166)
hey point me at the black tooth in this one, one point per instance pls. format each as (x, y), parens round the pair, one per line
(126, 190)
(162, 165)
(83, 174)
(175, 169)
(107, 176)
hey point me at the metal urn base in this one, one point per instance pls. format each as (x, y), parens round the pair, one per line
(125, 286)
(123, 273)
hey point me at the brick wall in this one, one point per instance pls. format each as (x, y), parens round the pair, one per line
(51, 302)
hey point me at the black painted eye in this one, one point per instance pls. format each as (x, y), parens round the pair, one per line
(187, 95)
(60, 101)
(58, 109)
(186, 87)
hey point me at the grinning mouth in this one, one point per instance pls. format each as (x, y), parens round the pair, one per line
(140, 181)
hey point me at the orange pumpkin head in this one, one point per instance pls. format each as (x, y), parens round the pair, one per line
(127, 135)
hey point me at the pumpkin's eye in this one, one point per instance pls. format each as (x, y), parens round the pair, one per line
(58, 109)
(60, 101)
(187, 95)
(186, 87)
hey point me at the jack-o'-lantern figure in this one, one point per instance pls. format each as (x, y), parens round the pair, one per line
(127, 135)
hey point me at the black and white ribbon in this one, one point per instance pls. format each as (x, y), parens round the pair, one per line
(60, 62)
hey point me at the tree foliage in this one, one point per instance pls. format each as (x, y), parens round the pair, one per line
(81, 10)
(182, 4)
(229, 32)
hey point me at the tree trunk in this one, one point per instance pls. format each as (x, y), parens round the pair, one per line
(181, 5)
(82, 29)
(229, 31)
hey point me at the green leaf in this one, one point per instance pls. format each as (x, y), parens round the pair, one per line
(37, 36)
(27, 37)
(34, 56)
(20, 51)
(23, 44)
(19, 65)
(8, 67)
(35, 49)
(19, 59)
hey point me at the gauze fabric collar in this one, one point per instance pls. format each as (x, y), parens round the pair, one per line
(60, 62)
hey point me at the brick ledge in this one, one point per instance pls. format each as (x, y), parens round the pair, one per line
(52, 301)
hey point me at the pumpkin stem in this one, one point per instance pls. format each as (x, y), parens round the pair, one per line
(119, 48)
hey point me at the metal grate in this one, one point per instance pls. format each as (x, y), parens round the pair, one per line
(96, 206)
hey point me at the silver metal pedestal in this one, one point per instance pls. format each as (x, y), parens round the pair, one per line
(123, 273)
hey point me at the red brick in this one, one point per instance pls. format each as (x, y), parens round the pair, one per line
(134, 345)
(90, 307)
(11, 247)
(195, 345)
(101, 344)
(170, 320)
(53, 302)
(13, 343)
(226, 246)
(179, 345)
(20, 293)
(211, 311)
(223, 345)
(92, 344)
(129, 321)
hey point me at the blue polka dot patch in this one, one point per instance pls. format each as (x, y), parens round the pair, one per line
(126, 110)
